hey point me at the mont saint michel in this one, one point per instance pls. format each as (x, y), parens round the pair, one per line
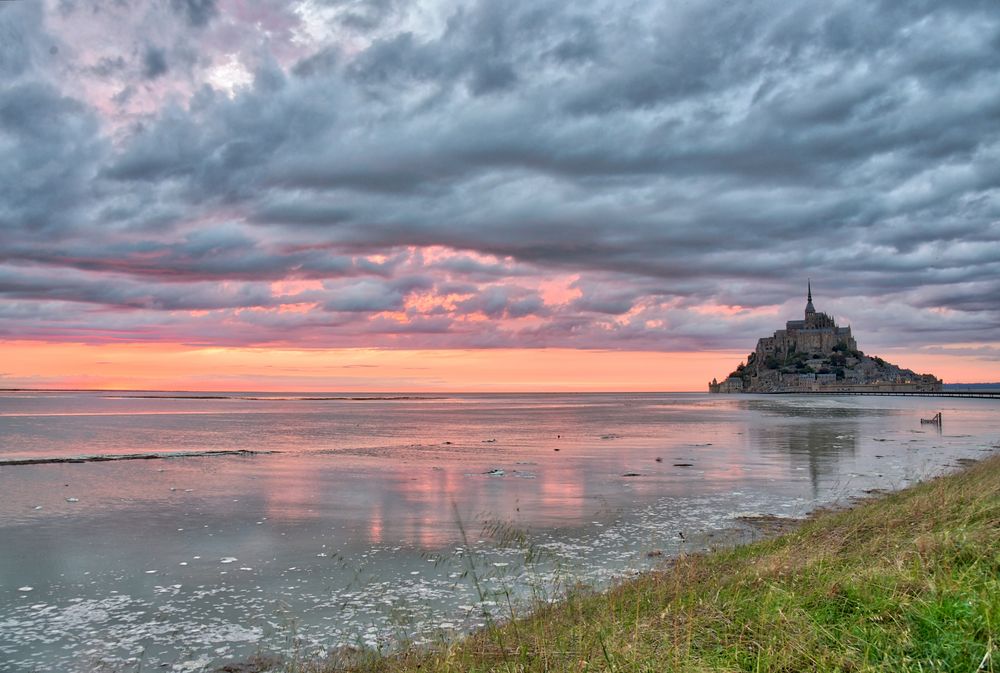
(817, 355)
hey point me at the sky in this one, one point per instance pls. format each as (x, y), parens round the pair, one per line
(482, 195)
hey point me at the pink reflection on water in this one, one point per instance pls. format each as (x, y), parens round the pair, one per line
(402, 483)
(375, 526)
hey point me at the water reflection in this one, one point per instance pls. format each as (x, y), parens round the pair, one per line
(374, 489)
(818, 444)
(816, 407)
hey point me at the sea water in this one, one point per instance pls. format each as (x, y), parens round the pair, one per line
(373, 520)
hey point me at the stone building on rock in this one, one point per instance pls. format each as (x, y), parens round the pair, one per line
(816, 355)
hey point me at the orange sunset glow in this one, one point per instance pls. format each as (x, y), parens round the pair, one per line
(175, 367)
(167, 367)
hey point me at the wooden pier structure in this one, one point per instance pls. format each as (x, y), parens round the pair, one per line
(983, 394)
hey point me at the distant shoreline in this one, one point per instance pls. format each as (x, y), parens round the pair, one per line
(144, 393)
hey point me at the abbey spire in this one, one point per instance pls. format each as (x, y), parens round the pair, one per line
(809, 298)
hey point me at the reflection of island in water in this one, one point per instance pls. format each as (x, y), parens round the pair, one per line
(815, 443)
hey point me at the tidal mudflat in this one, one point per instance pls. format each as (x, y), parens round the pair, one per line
(363, 521)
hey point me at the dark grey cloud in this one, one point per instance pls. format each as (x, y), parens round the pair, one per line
(125, 293)
(612, 301)
(366, 296)
(197, 12)
(214, 254)
(471, 268)
(655, 161)
(373, 295)
(108, 67)
(504, 302)
(154, 62)
(51, 151)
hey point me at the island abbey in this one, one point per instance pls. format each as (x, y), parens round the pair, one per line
(816, 355)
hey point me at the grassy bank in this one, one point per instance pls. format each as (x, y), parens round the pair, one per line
(907, 582)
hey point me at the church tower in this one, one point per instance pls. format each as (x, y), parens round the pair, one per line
(809, 300)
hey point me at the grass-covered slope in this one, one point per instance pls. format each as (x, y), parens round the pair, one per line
(909, 582)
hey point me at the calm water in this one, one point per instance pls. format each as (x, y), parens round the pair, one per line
(352, 531)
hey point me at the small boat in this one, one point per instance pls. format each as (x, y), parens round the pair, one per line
(934, 420)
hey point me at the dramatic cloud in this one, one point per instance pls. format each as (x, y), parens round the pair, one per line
(543, 174)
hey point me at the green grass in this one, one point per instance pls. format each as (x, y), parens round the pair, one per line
(907, 582)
